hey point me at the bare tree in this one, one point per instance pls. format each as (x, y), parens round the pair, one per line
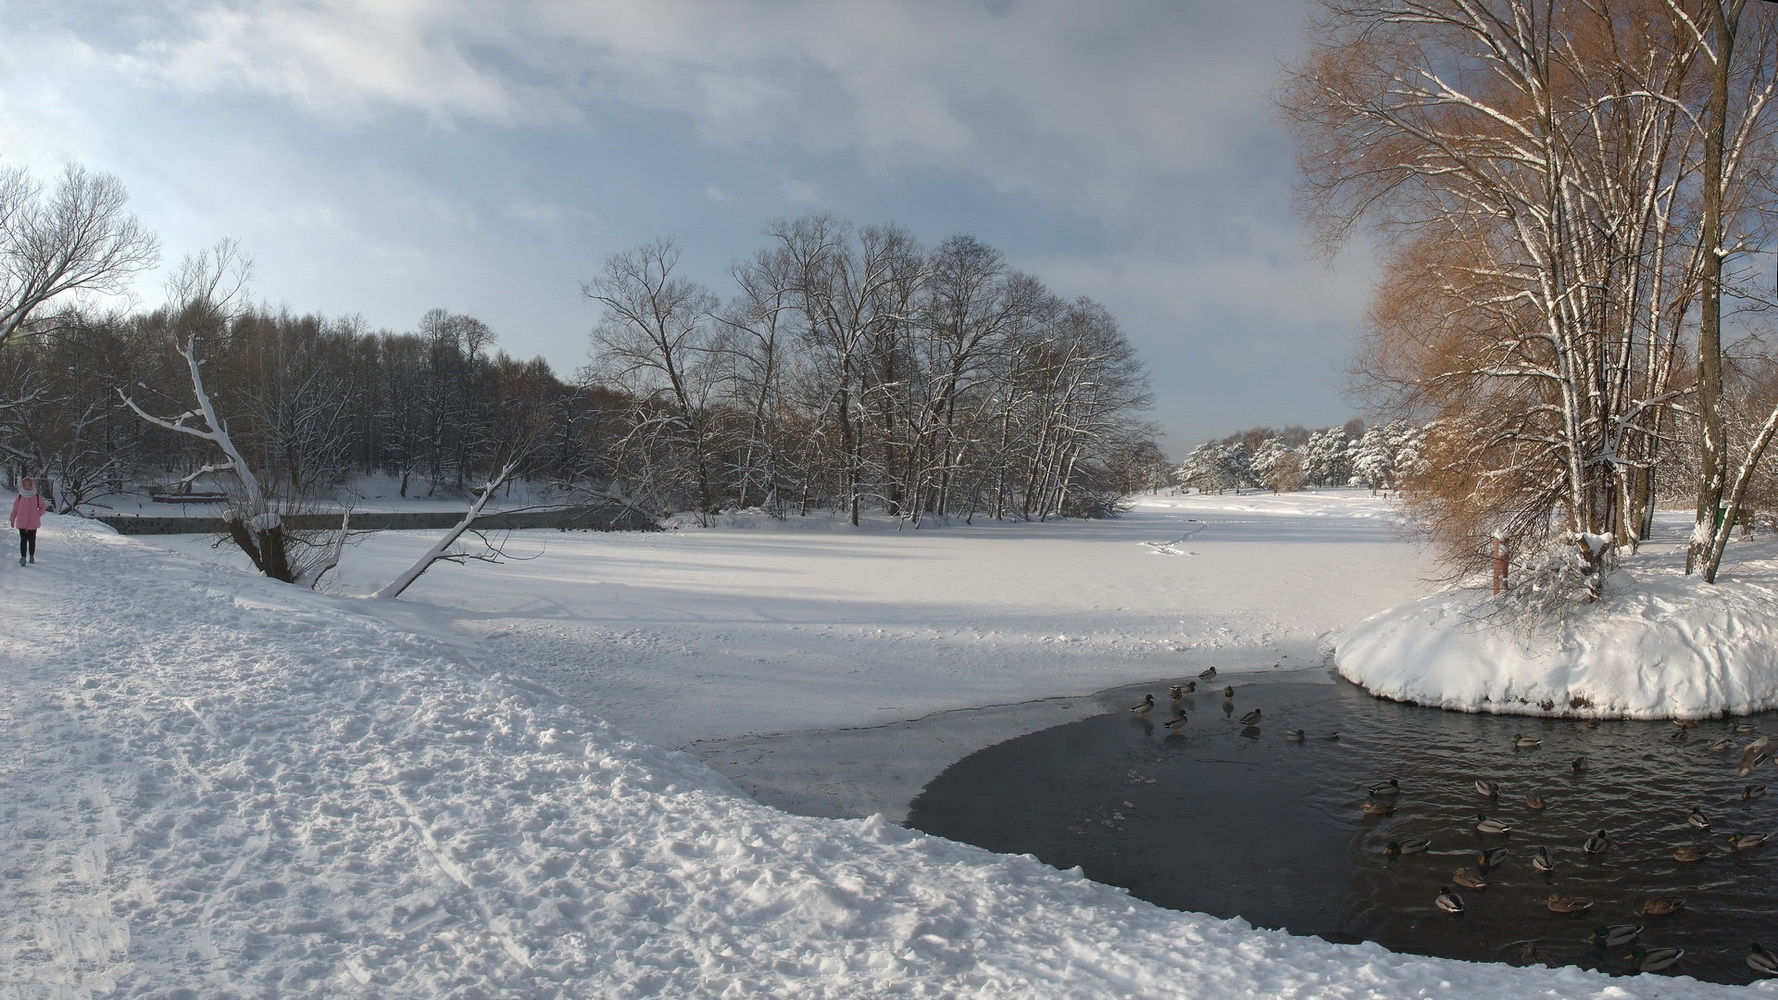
(72, 239)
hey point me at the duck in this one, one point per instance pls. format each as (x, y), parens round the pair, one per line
(1526, 742)
(1388, 788)
(1752, 792)
(1332, 736)
(1723, 745)
(1654, 959)
(1558, 903)
(1528, 954)
(1534, 800)
(1698, 819)
(1177, 721)
(1662, 906)
(1489, 857)
(1144, 706)
(1449, 901)
(1598, 843)
(1615, 935)
(1296, 736)
(1413, 845)
(1485, 825)
(1469, 878)
(1686, 723)
(1579, 764)
(1690, 853)
(1207, 673)
(1376, 807)
(1542, 860)
(1742, 727)
(1762, 961)
(1487, 789)
(1753, 754)
(1177, 693)
(1678, 736)
(1746, 841)
(1251, 718)
(1228, 692)
(1592, 723)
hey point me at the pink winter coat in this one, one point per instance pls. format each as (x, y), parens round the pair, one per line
(27, 512)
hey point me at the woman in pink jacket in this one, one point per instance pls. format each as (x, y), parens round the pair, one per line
(27, 516)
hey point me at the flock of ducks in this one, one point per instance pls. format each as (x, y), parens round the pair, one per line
(1382, 797)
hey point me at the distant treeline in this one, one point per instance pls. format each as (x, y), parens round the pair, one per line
(852, 369)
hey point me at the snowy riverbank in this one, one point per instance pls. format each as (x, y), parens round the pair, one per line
(219, 785)
(1660, 645)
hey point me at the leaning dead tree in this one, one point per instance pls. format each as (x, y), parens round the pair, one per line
(201, 295)
(446, 548)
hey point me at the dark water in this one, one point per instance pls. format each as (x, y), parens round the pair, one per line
(1222, 819)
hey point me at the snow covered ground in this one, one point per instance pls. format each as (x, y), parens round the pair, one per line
(214, 785)
(1661, 645)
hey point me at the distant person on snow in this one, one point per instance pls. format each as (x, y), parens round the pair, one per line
(27, 516)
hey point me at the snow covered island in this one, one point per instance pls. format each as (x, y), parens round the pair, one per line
(1659, 645)
(216, 785)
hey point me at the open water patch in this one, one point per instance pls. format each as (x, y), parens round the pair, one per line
(1219, 817)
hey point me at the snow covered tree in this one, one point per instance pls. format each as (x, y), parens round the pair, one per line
(1327, 457)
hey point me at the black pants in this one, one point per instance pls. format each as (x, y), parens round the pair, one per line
(28, 543)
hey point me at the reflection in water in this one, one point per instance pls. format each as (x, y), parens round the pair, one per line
(1235, 820)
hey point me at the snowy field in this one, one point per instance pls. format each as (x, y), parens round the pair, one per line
(215, 785)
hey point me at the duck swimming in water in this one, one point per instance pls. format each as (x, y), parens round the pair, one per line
(1690, 854)
(1752, 792)
(1558, 903)
(1746, 841)
(1698, 819)
(1542, 860)
(1489, 857)
(1485, 825)
(1762, 961)
(1615, 935)
(1413, 845)
(1296, 736)
(1654, 960)
(1487, 788)
(1534, 800)
(1662, 906)
(1526, 742)
(1449, 901)
(1386, 789)
(1376, 807)
(1597, 844)
(1468, 878)
(1579, 765)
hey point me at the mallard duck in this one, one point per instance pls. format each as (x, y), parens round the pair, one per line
(1723, 745)
(1598, 843)
(1579, 765)
(1489, 857)
(1332, 736)
(1413, 845)
(1746, 841)
(1144, 706)
(1662, 906)
(1207, 673)
(1528, 954)
(1449, 901)
(1177, 692)
(1614, 935)
(1698, 819)
(1742, 727)
(1251, 718)
(1762, 961)
(1296, 736)
(1542, 860)
(1177, 721)
(1752, 792)
(1469, 878)
(1228, 692)
(1534, 800)
(1487, 789)
(1526, 742)
(1686, 723)
(1654, 959)
(1376, 807)
(1752, 754)
(1559, 903)
(1485, 825)
(1678, 736)
(1690, 853)
(1386, 789)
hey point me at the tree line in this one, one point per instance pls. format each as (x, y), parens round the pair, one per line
(851, 369)
(1573, 199)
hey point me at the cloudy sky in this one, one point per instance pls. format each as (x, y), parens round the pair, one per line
(384, 157)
